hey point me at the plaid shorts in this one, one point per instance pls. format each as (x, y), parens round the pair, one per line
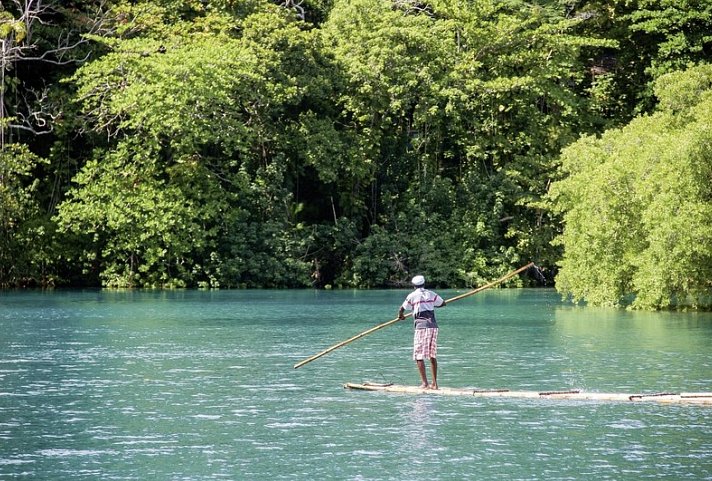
(425, 344)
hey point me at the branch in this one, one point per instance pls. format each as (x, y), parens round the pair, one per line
(36, 115)
(413, 6)
(39, 113)
(295, 5)
(34, 12)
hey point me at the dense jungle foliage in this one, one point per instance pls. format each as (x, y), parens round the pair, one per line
(354, 143)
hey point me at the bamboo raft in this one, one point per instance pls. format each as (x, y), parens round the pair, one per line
(703, 398)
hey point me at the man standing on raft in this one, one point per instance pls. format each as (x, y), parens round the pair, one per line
(425, 341)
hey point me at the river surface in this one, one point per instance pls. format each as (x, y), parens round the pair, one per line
(200, 385)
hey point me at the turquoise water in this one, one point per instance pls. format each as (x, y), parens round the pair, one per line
(191, 385)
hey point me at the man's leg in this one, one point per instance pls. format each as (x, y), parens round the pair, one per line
(421, 371)
(434, 366)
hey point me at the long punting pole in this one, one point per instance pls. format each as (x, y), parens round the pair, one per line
(393, 321)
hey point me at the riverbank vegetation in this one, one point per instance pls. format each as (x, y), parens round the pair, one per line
(353, 143)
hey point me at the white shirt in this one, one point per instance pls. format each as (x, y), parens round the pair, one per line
(423, 303)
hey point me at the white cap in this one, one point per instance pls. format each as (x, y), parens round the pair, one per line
(418, 280)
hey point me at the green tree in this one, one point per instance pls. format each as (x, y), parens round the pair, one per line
(679, 33)
(653, 38)
(316, 142)
(637, 204)
(25, 253)
(203, 120)
(39, 42)
(481, 95)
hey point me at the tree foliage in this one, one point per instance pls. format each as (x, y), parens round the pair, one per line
(638, 204)
(284, 143)
(461, 94)
(20, 221)
(653, 38)
(196, 121)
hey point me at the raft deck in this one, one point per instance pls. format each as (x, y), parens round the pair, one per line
(704, 398)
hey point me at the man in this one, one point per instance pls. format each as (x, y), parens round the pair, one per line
(425, 341)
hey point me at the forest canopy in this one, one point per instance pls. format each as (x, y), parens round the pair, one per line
(637, 203)
(354, 143)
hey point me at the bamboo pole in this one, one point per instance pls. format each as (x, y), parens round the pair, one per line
(491, 284)
(393, 321)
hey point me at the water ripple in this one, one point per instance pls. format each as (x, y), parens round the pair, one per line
(176, 386)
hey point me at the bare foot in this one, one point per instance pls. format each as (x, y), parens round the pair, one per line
(424, 386)
(434, 385)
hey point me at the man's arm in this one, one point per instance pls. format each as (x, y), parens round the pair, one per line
(400, 313)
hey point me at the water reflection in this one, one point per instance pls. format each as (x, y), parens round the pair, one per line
(640, 351)
(419, 423)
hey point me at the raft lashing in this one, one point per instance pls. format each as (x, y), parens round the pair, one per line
(703, 398)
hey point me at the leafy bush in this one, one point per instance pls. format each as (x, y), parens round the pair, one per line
(637, 204)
